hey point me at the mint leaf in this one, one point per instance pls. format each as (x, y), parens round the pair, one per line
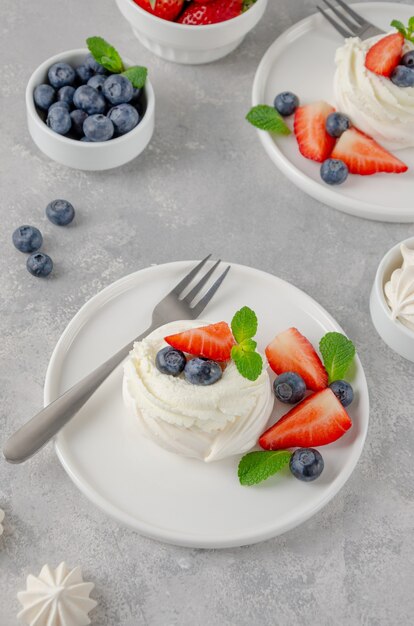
(267, 118)
(249, 364)
(399, 26)
(407, 32)
(137, 75)
(337, 352)
(105, 54)
(248, 345)
(255, 467)
(244, 324)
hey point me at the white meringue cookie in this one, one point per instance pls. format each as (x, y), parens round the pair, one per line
(56, 598)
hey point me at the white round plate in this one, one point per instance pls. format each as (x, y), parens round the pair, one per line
(302, 60)
(162, 495)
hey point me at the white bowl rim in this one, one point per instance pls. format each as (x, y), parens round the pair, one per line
(31, 108)
(186, 27)
(379, 285)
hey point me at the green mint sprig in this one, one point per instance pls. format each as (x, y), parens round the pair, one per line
(267, 118)
(406, 31)
(254, 467)
(244, 327)
(338, 353)
(107, 56)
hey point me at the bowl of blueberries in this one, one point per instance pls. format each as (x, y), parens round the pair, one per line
(84, 116)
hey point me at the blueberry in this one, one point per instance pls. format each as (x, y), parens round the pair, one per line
(58, 119)
(306, 464)
(61, 74)
(170, 361)
(124, 117)
(39, 264)
(98, 128)
(60, 212)
(27, 238)
(84, 73)
(65, 94)
(94, 65)
(289, 388)
(44, 96)
(61, 103)
(89, 100)
(343, 391)
(85, 139)
(334, 172)
(118, 89)
(97, 82)
(336, 124)
(135, 95)
(202, 371)
(78, 117)
(286, 103)
(403, 76)
(408, 59)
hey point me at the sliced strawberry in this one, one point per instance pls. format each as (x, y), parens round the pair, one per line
(309, 125)
(211, 342)
(166, 9)
(365, 156)
(210, 12)
(292, 352)
(384, 56)
(316, 421)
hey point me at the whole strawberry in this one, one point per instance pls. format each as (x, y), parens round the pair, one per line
(166, 9)
(211, 12)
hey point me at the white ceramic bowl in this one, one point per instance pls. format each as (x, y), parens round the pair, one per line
(81, 155)
(183, 43)
(393, 332)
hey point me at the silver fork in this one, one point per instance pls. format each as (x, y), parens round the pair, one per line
(175, 306)
(349, 22)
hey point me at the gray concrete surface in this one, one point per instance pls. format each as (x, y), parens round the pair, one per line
(204, 184)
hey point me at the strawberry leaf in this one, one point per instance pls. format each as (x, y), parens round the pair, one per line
(257, 466)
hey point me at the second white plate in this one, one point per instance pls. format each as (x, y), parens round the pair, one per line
(160, 494)
(302, 60)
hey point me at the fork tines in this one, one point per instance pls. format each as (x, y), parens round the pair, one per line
(344, 25)
(191, 295)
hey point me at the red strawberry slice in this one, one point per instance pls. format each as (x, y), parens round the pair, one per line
(316, 421)
(309, 126)
(384, 56)
(211, 12)
(166, 9)
(211, 342)
(365, 156)
(292, 352)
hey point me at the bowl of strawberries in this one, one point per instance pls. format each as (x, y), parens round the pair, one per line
(191, 31)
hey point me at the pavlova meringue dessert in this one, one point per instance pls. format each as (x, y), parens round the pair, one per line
(195, 390)
(374, 86)
(399, 290)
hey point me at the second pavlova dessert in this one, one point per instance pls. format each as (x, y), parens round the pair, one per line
(200, 389)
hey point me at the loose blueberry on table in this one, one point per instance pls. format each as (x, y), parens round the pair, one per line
(60, 212)
(95, 101)
(27, 238)
(39, 264)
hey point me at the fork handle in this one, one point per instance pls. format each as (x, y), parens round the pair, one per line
(33, 435)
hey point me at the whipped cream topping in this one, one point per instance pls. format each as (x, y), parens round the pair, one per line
(399, 290)
(56, 598)
(375, 105)
(207, 423)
